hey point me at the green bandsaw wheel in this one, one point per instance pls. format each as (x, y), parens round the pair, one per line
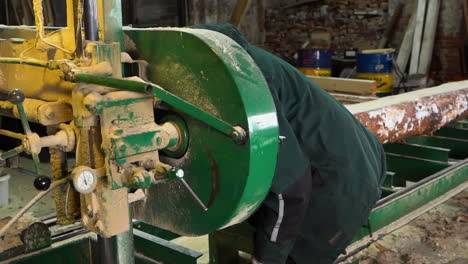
(214, 73)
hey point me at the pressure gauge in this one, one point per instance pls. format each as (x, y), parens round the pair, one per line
(84, 179)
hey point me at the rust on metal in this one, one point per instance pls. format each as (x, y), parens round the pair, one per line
(416, 113)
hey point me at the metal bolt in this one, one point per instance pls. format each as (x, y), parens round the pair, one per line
(50, 115)
(281, 139)
(122, 147)
(235, 134)
(239, 135)
(179, 173)
(158, 140)
(115, 122)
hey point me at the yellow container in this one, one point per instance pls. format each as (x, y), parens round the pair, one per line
(316, 72)
(384, 81)
(377, 65)
(315, 62)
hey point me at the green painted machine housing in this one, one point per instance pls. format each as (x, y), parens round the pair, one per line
(215, 74)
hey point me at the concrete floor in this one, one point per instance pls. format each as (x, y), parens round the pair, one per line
(22, 191)
(439, 236)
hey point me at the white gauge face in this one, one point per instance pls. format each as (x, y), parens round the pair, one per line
(85, 181)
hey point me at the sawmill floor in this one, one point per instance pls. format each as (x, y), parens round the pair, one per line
(22, 191)
(438, 236)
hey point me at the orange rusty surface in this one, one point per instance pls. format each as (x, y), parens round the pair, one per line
(423, 115)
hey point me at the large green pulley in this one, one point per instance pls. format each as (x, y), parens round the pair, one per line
(212, 72)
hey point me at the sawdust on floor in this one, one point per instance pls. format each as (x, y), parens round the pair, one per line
(438, 237)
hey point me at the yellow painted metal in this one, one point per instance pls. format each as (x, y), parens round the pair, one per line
(21, 42)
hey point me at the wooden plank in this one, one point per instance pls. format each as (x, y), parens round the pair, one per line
(405, 48)
(416, 51)
(352, 99)
(239, 11)
(391, 26)
(353, 86)
(429, 37)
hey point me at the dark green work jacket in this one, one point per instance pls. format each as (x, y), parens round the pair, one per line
(322, 134)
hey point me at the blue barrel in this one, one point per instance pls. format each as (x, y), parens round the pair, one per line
(378, 67)
(315, 62)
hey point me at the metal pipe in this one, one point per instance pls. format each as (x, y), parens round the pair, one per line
(118, 249)
(12, 152)
(91, 20)
(59, 139)
(193, 194)
(12, 134)
(31, 62)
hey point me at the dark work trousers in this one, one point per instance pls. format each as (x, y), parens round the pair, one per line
(279, 219)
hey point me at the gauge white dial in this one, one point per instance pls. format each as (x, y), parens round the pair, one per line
(84, 179)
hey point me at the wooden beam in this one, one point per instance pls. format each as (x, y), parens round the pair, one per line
(391, 26)
(429, 37)
(352, 99)
(405, 48)
(239, 12)
(418, 32)
(342, 85)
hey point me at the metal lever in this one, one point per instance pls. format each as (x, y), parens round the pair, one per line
(180, 176)
(16, 97)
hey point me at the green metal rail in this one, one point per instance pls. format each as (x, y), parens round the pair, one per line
(149, 249)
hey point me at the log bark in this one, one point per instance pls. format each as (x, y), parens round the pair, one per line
(416, 113)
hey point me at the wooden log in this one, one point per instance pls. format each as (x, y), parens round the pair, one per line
(429, 37)
(353, 86)
(416, 51)
(412, 114)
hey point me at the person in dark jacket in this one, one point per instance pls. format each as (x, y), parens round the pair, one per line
(329, 169)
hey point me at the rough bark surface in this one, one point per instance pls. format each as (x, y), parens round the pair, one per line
(421, 112)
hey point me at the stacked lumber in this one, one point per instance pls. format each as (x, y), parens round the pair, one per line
(343, 85)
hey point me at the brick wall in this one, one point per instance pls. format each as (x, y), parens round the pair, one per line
(448, 52)
(287, 28)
